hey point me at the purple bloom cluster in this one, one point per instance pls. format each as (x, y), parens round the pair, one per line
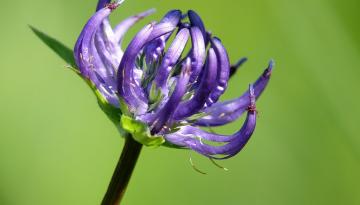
(173, 90)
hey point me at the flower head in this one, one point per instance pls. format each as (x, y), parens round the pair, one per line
(158, 90)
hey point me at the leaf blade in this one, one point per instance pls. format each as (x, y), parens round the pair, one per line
(59, 48)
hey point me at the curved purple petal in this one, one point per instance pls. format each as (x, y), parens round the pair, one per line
(106, 32)
(172, 17)
(167, 24)
(161, 29)
(233, 147)
(99, 64)
(111, 64)
(192, 106)
(101, 4)
(225, 112)
(130, 91)
(171, 57)
(192, 137)
(223, 72)
(198, 52)
(186, 132)
(196, 21)
(111, 45)
(90, 63)
(105, 81)
(121, 29)
(154, 49)
(82, 47)
(162, 116)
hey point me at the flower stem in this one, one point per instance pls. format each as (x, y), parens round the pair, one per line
(122, 173)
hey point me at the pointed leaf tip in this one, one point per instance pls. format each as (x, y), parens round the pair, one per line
(59, 48)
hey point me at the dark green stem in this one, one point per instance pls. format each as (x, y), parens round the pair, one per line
(122, 173)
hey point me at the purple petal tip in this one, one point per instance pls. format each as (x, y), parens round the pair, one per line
(146, 13)
(112, 6)
(268, 70)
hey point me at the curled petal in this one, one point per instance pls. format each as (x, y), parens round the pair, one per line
(90, 63)
(162, 116)
(192, 106)
(171, 57)
(196, 21)
(225, 112)
(155, 48)
(161, 29)
(83, 44)
(101, 65)
(101, 4)
(106, 57)
(105, 81)
(192, 138)
(111, 45)
(223, 72)
(153, 52)
(198, 52)
(130, 91)
(105, 74)
(172, 17)
(190, 132)
(167, 24)
(106, 30)
(121, 29)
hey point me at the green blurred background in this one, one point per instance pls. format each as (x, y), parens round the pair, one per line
(57, 147)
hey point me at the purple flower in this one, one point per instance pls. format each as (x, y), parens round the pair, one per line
(158, 90)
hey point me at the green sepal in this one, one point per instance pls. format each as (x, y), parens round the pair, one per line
(112, 112)
(59, 48)
(140, 132)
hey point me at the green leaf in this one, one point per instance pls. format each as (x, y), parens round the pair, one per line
(140, 132)
(113, 113)
(64, 52)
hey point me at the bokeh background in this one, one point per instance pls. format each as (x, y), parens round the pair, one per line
(57, 147)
